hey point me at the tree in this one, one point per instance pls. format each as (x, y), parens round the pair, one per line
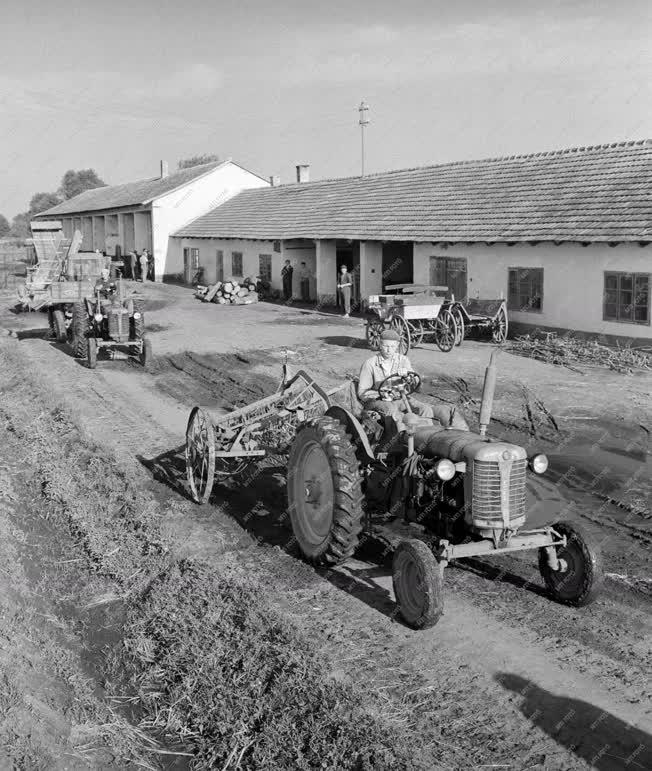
(42, 201)
(76, 182)
(20, 226)
(5, 227)
(197, 160)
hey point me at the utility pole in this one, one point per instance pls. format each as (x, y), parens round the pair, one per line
(363, 109)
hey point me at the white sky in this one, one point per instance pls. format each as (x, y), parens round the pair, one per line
(118, 85)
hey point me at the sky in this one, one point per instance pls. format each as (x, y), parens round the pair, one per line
(117, 86)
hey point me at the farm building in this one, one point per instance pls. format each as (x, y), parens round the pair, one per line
(565, 236)
(142, 215)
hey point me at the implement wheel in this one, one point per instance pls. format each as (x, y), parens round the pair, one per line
(375, 328)
(459, 320)
(579, 579)
(58, 323)
(400, 326)
(324, 492)
(445, 331)
(418, 584)
(200, 455)
(417, 331)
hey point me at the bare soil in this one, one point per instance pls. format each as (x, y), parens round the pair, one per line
(511, 677)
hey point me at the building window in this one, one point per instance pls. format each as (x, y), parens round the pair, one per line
(277, 246)
(525, 290)
(265, 266)
(236, 264)
(627, 297)
(194, 258)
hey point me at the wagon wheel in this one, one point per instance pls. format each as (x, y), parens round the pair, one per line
(417, 330)
(445, 331)
(200, 454)
(400, 326)
(375, 328)
(499, 326)
(459, 320)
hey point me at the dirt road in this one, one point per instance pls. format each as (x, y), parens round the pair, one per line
(570, 688)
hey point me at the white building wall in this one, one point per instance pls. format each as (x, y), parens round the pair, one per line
(573, 279)
(250, 250)
(176, 209)
(326, 272)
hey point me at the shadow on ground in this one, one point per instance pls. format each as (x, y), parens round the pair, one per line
(346, 341)
(592, 734)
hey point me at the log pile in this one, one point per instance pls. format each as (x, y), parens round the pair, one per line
(229, 292)
(568, 351)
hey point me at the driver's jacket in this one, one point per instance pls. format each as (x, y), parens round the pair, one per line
(376, 369)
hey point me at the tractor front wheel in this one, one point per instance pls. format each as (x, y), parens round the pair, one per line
(91, 353)
(325, 492)
(418, 584)
(146, 353)
(579, 577)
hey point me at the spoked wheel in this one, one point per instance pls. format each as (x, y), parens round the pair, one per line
(416, 332)
(325, 492)
(459, 320)
(580, 577)
(445, 331)
(500, 326)
(91, 353)
(418, 584)
(200, 455)
(400, 326)
(375, 329)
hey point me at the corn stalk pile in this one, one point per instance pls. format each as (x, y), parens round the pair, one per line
(567, 351)
(229, 292)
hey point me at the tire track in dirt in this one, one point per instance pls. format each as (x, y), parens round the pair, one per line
(125, 409)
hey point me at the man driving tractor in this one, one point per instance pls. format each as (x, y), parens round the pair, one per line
(381, 386)
(103, 284)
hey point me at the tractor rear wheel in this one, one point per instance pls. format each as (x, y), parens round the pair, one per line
(79, 327)
(325, 492)
(91, 353)
(580, 577)
(418, 584)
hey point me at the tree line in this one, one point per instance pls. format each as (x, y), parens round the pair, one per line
(72, 183)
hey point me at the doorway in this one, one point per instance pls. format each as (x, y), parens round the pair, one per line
(219, 265)
(449, 272)
(348, 253)
(398, 263)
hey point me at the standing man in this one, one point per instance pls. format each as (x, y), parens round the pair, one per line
(131, 261)
(345, 284)
(143, 266)
(304, 278)
(286, 274)
(150, 266)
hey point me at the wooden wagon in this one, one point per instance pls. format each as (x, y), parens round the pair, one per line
(476, 317)
(418, 312)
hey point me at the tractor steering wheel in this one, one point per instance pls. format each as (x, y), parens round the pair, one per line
(395, 386)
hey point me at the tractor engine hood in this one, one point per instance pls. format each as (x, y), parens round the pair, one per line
(461, 446)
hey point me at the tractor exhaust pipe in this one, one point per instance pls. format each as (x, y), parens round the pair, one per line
(488, 393)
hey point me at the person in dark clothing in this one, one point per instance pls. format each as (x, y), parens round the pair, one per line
(286, 274)
(131, 262)
(150, 266)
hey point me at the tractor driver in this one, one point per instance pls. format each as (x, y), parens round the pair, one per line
(103, 284)
(389, 361)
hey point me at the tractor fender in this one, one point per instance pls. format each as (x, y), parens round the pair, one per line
(355, 431)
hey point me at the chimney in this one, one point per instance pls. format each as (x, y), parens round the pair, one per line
(164, 169)
(274, 181)
(303, 172)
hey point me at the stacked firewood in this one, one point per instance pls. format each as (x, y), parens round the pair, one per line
(229, 292)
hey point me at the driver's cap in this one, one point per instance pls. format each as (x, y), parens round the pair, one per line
(389, 334)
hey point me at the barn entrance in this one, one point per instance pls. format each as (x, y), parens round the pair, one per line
(398, 263)
(348, 253)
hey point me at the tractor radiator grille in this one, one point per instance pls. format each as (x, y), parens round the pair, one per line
(118, 324)
(487, 498)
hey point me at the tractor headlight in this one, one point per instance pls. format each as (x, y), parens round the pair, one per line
(539, 464)
(445, 469)
(136, 315)
(98, 317)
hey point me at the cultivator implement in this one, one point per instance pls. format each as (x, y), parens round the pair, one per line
(224, 446)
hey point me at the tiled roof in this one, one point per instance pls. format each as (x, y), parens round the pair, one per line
(129, 194)
(599, 193)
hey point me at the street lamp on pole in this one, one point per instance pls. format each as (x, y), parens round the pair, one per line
(364, 120)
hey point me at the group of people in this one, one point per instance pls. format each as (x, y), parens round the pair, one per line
(139, 267)
(344, 284)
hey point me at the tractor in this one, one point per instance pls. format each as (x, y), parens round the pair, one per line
(464, 494)
(110, 320)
